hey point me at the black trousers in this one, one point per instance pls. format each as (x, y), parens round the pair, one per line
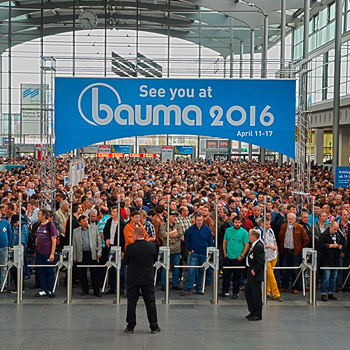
(253, 294)
(236, 275)
(87, 260)
(150, 302)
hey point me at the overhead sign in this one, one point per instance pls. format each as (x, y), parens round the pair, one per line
(104, 148)
(261, 112)
(150, 149)
(110, 155)
(142, 155)
(90, 149)
(211, 144)
(120, 148)
(183, 150)
(167, 153)
(25, 148)
(342, 176)
(223, 144)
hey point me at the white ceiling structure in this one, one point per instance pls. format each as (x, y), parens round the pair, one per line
(31, 19)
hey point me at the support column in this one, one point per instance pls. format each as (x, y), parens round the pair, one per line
(1, 106)
(9, 82)
(252, 50)
(336, 97)
(241, 52)
(200, 43)
(283, 53)
(343, 145)
(231, 47)
(319, 139)
(264, 69)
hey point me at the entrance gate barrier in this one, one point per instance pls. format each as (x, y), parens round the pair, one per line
(212, 261)
(309, 262)
(163, 261)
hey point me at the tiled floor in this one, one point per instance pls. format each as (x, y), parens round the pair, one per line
(187, 323)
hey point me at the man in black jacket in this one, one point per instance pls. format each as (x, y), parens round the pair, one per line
(110, 234)
(140, 257)
(77, 209)
(330, 244)
(256, 263)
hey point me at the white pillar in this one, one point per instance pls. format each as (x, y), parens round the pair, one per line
(319, 137)
(344, 145)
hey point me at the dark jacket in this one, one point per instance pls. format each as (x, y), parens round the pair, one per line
(140, 257)
(107, 232)
(330, 256)
(308, 231)
(253, 219)
(256, 260)
(75, 224)
(222, 231)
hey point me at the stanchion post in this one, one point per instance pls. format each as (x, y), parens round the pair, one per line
(118, 243)
(20, 218)
(70, 217)
(313, 274)
(216, 271)
(20, 254)
(313, 222)
(167, 277)
(265, 266)
(70, 269)
(18, 261)
(69, 274)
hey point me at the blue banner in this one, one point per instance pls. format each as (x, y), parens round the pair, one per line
(261, 112)
(342, 176)
(183, 150)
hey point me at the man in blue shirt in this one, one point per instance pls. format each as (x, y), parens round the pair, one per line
(5, 243)
(198, 238)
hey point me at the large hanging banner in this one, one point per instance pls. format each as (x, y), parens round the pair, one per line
(261, 112)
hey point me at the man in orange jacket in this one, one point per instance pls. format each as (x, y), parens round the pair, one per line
(134, 222)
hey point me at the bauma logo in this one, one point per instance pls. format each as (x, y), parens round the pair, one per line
(99, 103)
(97, 107)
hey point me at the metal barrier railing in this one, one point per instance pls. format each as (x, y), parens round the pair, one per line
(196, 267)
(339, 268)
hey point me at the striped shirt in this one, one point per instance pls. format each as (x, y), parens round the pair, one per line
(185, 223)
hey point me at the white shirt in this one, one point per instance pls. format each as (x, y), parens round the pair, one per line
(251, 248)
(114, 225)
(270, 240)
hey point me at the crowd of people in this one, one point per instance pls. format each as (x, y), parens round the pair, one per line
(145, 188)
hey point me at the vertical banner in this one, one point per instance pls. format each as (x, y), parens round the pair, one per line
(30, 107)
(73, 173)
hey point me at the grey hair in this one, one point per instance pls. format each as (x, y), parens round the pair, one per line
(62, 203)
(93, 211)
